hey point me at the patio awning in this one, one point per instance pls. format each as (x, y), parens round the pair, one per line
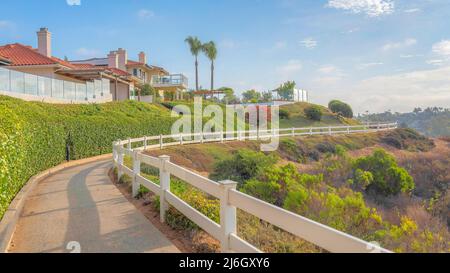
(92, 74)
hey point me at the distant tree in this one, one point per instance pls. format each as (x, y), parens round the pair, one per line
(229, 96)
(313, 113)
(266, 96)
(286, 90)
(251, 96)
(339, 107)
(210, 51)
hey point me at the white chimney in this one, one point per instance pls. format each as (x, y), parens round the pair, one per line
(123, 58)
(142, 57)
(44, 42)
(113, 60)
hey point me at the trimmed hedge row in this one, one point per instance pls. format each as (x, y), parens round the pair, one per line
(37, 136)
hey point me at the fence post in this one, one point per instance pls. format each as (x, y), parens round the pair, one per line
(161, 142)
(136, 172)
(221, 136)
(120, 164)
(145, 143)
(329, 130)
(257, 134)
(164, 180)
(129, 144)
(202, 137)
(293, 132)
(227, 215)
(348, 129)
(114, 154)
(181, 139)
(310, 131)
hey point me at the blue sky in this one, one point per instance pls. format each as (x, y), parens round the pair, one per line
(375, 54)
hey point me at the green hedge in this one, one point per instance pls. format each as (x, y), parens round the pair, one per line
(35, 136)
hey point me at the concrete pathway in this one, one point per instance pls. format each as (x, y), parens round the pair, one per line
(79, 209)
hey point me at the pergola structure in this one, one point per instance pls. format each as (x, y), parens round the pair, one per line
(98, 73)
(205, 93)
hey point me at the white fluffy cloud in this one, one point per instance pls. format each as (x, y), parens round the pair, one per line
(309, 43)
(406, 43)
(373, 8)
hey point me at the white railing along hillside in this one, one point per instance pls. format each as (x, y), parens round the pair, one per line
(230, 199)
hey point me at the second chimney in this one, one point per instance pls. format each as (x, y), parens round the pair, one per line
(44, 42)
(113, 60)
(123, 58)
(142, 57)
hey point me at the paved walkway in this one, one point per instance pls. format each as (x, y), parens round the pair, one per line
(81, 207)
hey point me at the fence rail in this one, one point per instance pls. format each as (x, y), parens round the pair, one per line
(230, 199)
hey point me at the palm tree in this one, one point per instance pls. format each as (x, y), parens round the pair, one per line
(210, 51)
(195, 46)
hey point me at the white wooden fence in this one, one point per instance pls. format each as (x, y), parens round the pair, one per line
(230, 199)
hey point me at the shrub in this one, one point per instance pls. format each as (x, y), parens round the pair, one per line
(245, 164)
(408, 139)
(326, 147)
(313, 113)
(387, 177)
(339, 107)
(284, 114)
(147, 90)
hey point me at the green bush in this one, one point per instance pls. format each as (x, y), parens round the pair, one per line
(339, 107)
(147, 90)
(284, 114)
(245, 164)
(314, 113)
(380, 173)
(36, 136)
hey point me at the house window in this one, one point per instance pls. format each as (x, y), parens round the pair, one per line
(135, 72)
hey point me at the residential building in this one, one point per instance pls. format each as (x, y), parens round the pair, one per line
(35, 74)
(142, 72)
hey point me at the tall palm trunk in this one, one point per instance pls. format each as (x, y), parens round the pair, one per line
(212, 78)
(196, 73)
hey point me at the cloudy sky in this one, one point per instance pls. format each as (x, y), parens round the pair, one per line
(376, 54)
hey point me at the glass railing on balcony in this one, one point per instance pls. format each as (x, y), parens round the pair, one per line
(170, 80)
(28, 84)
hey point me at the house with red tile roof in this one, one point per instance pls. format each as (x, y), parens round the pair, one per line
(38, 64)
(165, 83)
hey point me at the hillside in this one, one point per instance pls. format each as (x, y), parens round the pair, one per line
(317, 177)
(296, 114)
(297, 117)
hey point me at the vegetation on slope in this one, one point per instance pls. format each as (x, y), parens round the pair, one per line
(37, 136)
(298, 118)
(343, 191)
